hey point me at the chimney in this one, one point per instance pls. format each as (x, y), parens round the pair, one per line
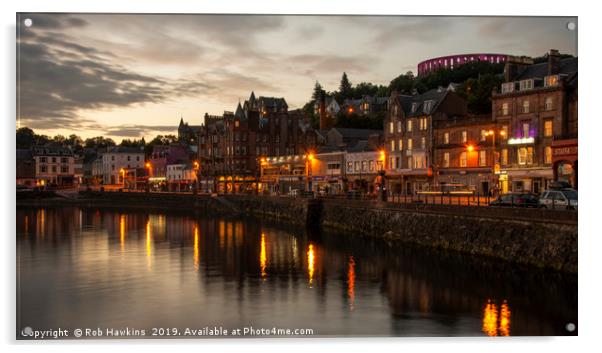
(514, 66)
(323, 118)
(553, 59)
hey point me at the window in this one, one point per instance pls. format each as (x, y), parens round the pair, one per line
(463, 160)
(128, 158)
(446, 160)
(112, 158)
(54, 169)
(548, 155)
(391, 127)
(526, 85)
(392, 162)
(399, 126)
(414, 106)
(400, 144)
(529, 155)
(409, 127)
(504, 156)
(423, 123)
(364, 166)
(483, 135)
(410, 144)
(64, 160)
(427, 106)
(508, 87)
(549, 104)
(42, 159)
(410, 162)
(446, 138)
(526, 128)
(525, 106)
(137, 158)
(371, 166)
(64, 169)
(482, 158)
(43, 169)
(505, 109)
(349, 167)
(551, 81)
(522, 156)
(53, 159)
(464, 136)
(423, 142)
(547, 128)
(357, 166)
(392, 145)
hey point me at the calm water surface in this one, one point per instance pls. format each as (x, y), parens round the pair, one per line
(101, 268)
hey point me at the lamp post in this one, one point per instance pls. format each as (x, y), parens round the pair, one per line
(196, 166)
(122, 172)
(492, 133)
(309, 157)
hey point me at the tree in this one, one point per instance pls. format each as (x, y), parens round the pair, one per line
(159, 140)
(318, 91)
(345, 88)
(98, 142)
(477, 92)
(403, 84)
(25, 137)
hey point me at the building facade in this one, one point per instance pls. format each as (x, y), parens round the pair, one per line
(409, 137)
(117, 160)
(231, 146)
(26, 168)
(533, 107)
(465, 155)
(55, 165)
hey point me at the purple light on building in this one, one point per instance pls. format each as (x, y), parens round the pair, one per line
(453, 61)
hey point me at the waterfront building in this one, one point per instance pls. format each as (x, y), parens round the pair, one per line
(363, 170)
(464, 153)
(328, 172)
(117, 160)
(409, 133)
(55, 165)
(231, 146)
(537, 106)
(181, 177)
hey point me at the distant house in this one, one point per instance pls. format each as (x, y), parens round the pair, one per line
(54, 165)
(117, 160)
(188, 133)
(332, 107)
(366, 105)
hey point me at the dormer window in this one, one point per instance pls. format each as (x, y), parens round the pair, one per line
(551, 81)
(414, 107)
(526, 85)
(427, 106)
(508, 87)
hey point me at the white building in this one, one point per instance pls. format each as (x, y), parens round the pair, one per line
(117, 160)
(54, 165)
(362, 169)
(180, 176)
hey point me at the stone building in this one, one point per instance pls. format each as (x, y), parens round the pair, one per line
(409, 134)
(464, 154)
(231, 145)
(533, 106)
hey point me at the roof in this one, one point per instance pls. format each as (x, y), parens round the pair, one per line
(124, 149)
(273, 102)
(565, 66)
(436, 95)
(356, 133)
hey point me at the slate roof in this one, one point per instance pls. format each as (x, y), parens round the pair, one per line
(566, 66)
(348, 133)
(272, 102)
(436, 95)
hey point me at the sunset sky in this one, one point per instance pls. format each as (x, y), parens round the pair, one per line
(128, 76)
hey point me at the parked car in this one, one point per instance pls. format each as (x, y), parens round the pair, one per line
(564, 198)
(516, 200)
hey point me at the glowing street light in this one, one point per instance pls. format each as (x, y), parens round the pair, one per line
(470, 148)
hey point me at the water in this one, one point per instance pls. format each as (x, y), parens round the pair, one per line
(102, 268)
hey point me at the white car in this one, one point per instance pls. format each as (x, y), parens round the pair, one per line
(559, 199)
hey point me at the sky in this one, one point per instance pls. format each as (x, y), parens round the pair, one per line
(133, 76)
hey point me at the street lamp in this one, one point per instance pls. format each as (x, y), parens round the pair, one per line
(309, 159)
(122, 172)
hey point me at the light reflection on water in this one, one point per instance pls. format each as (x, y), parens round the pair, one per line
(89, 268)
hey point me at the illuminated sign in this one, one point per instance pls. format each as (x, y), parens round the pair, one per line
(521, 141)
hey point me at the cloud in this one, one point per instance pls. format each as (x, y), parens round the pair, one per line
(52, 21)
(140, 130)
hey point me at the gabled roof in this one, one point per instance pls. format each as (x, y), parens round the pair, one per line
(240, 114)
(273, 102)
(435, 95)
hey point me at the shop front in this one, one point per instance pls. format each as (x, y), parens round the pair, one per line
(564, 159)
(478, 180)
(531, 180)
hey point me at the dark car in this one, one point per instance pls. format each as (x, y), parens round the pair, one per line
(516, 200)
